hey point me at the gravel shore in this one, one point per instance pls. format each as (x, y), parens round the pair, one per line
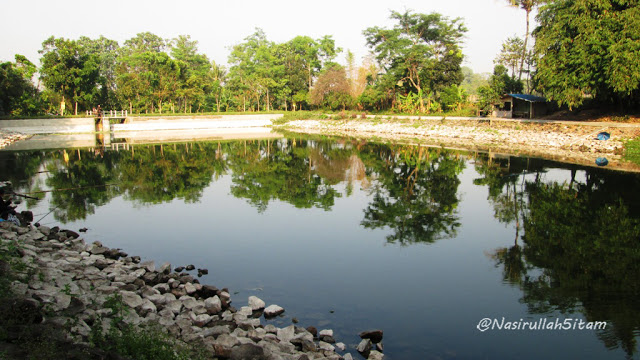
(553, 140)
(72, 286)
(8, 138)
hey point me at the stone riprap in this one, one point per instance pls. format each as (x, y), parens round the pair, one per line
(563, 141)
(9, 137)
(73, 281)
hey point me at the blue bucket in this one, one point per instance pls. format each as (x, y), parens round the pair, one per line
(601, 161)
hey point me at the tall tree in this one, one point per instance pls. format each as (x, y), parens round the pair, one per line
(511, 54)
(105, 51)
(589, 49)
(527, 6)
(421, 50)
(69, 69)
(194, 70)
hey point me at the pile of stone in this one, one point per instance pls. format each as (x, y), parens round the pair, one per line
(73, 280)
(8, 138)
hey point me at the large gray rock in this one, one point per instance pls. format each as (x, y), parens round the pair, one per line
(375, 355)
(286, 334)
(248, 352)
(216, 331)
(165, 268)
(131, 299)
(213, 305)
(256, 303)
(364, 347)
(190, 288)
(272, 311)
(374, 335)
(175, 306)
(326, 346)
(246, 311)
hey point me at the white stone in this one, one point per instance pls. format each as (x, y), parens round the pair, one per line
(131, 299)
(273, 310)
(213, 305)
(256, 303)
(326, 346)
(325, 332)
(286, 334)
(190, 288)
(245, 310)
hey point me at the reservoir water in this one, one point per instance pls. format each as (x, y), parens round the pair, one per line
(351, 235)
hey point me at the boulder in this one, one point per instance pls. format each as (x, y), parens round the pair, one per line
(131, 299)
(256, 303)
(375, 355)
(248, 352)
(213, 305)
(273, 311)
(374, 335)
(364, 347)
(326, 346)
(286, 334)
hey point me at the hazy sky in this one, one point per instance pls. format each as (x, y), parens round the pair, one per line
(218, 25)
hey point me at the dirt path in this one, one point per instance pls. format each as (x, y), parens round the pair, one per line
(557, 140)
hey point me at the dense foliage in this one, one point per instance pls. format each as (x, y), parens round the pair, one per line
(420, 55)
(584, 49)
(589, 49)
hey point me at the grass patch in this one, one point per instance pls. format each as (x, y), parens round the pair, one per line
(299, 115)
(632, 151)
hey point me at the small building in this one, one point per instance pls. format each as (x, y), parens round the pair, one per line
(521, 106)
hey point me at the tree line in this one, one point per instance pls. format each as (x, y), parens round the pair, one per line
(583, 51)
(412, 66)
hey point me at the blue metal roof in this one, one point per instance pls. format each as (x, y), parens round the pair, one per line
(529, 98)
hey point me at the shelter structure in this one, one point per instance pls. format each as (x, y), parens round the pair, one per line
(521, 106)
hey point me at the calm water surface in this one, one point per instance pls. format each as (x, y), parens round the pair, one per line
(422, 243)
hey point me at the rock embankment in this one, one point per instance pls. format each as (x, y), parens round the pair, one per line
(554, 140)
(8, 138)
(73, 282)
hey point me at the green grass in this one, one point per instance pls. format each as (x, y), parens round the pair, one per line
(299, 115)
(632, 151)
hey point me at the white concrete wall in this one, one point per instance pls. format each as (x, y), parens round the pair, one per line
(50, 126)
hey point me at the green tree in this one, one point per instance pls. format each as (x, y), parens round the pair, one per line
(106, 52)
(511, 55)
(194, 70)
(500, 83)
(589, 49)
(18, 95)
(453, 97)
(71, 70)
(420, 53)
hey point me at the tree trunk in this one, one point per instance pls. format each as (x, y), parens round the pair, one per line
(524, 50)
(75, 111)
(130, 107)
(267, 99)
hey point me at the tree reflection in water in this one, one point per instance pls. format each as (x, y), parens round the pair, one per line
(581, 246)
